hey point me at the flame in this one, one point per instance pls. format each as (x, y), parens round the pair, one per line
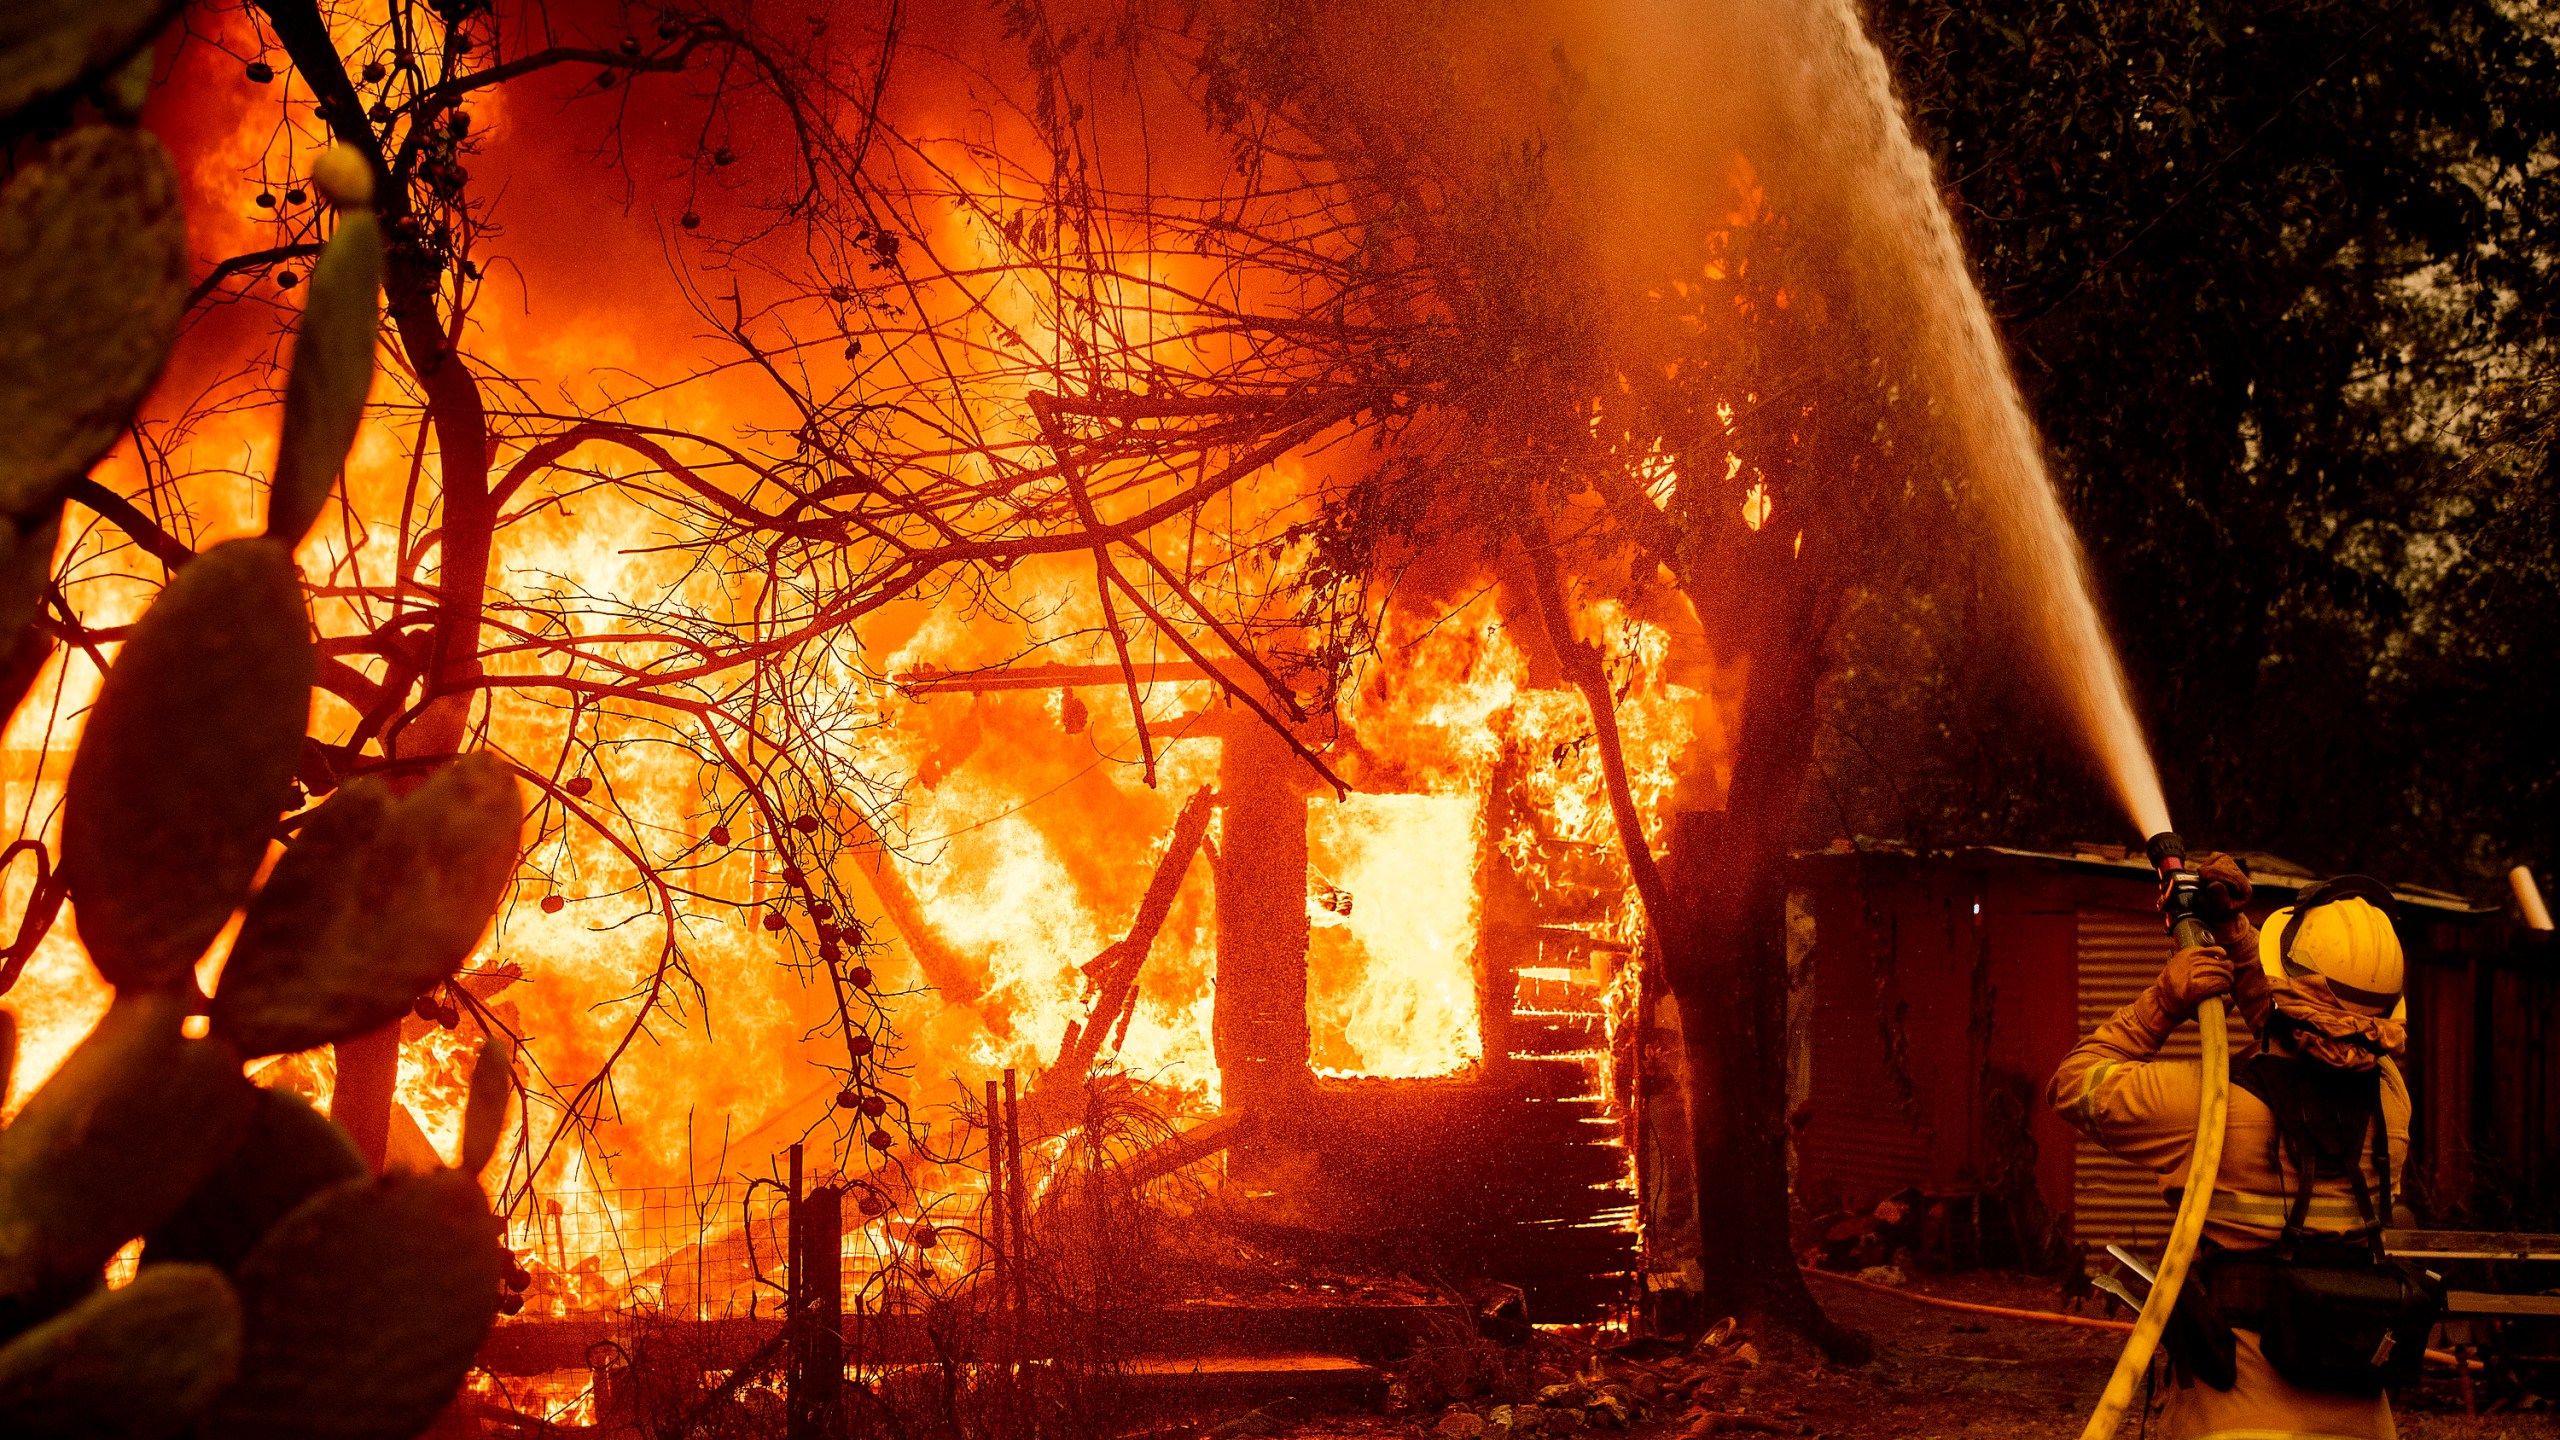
(1756, 505)
(1027, 844)
(1391, 983)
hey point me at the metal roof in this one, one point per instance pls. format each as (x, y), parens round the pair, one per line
(2266, 872)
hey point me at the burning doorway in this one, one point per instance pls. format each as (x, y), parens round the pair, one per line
(1407, 985)
(1392, 983)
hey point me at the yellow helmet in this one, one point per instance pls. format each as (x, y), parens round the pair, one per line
(2340, 930)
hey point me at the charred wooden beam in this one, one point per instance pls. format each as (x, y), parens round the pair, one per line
(1044, 677)
(1188, 1148)
(959, 980)
(1259, 1031)
(1052, 1103)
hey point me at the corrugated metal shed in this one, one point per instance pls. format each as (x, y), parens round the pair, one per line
(1867, 1129)
(2120, 951)
(1947, 987)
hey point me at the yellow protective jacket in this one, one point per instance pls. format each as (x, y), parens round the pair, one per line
(2115, 1090)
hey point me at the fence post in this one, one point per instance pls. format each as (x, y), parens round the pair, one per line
(791, 1242)
(816, 1374)
(1018, 1228)
(995, 1226)
(1018, 1220)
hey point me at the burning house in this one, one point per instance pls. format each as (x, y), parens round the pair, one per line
(1434, 1083)
(1388, 1017)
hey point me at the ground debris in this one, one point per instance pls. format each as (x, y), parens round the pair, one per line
(1460, 1424)
(1929, 1382)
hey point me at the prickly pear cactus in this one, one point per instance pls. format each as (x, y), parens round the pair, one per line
(49, 48)
(284, 1290)
(93, 279)
(93, 262)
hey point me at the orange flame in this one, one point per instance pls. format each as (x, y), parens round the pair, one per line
(1026, 842)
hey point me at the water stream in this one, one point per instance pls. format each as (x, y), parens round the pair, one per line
(1905, 261)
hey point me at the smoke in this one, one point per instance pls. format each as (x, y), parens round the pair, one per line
(1693, 114)
(1902, 262)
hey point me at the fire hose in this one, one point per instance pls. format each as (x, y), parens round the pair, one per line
(2053, 1317)
(2187, 929)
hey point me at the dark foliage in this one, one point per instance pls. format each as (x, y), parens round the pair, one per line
(2278, 281)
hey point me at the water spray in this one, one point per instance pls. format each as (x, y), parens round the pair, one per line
(1855, 165)
(2181, 903)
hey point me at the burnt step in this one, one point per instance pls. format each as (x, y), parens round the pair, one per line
(1544, 1124)
(1570, 1163)
(1581, 1109)
(1552, 1077)
(1576, 1299)
(1561, 1181)
(1561, 1252)
(1544, 1170)
(1556, 1032)
(1538, 992)
(1518, 1227)
(1330, 1380)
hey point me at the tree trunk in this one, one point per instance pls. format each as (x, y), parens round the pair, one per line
(368, 1067)
(1258, 1027)
(1725, 964)
(1718, 924)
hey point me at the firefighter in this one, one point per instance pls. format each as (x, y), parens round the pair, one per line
(2293, 1322)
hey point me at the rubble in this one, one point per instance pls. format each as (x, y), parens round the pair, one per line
(1460, 1424)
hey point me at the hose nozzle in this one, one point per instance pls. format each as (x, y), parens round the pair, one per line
(2166, 851)
(2181, 894)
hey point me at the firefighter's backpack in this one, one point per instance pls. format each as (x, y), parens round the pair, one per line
(2334, 1312)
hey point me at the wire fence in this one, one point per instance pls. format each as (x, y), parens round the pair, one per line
(683, 1249)
(947, 1296)
(707, 1251)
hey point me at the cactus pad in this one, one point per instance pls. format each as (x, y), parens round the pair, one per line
(186, 763)
(93, 279)
(134, 1120)
(50, 47)
(363, 1310)
(377, 902)
(291, 1153)
(332, 370)
(138, 1363)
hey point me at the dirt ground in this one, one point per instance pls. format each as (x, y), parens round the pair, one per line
(1938, 1375)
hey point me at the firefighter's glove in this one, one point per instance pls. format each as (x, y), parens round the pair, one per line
(2190, 978)
(2222, 889)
